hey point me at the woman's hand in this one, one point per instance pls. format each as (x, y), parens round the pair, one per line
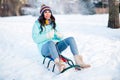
(50, 34)
(59, 35)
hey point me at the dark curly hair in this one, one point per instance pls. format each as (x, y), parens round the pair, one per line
(41, 20)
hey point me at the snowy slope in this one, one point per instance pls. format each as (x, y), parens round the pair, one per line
(99, 45)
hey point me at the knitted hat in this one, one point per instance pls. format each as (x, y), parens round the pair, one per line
(43, 8)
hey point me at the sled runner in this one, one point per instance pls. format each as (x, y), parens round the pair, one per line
(66, 60)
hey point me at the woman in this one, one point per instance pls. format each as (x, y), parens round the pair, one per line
(49, 40)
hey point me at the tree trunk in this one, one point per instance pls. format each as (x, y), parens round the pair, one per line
(113, 14)
(3, 8)
(11, 7)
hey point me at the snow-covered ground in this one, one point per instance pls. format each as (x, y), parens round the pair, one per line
(99, 45)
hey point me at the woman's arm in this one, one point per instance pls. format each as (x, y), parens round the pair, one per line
(36, 35)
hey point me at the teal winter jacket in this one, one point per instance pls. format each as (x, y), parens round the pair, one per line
(41, 38)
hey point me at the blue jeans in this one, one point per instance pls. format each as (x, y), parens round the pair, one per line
(53, 50)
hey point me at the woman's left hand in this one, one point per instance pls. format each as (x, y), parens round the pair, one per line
(59, 35)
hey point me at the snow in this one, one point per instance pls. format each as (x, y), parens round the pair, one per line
(98, 44)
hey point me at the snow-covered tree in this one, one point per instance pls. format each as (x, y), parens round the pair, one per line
(86, 7)
(66, 6)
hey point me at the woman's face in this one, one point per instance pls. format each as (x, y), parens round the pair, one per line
(47, 14)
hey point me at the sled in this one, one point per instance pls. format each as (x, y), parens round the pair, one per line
(66, 60)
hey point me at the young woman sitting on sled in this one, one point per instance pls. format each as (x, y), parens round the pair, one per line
(49, 40)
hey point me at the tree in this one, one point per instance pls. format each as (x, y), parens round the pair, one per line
(3, 8)
(11, 7)
(86, 7)
(113, 21)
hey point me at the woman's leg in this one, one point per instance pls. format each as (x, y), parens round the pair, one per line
(62, 45)
(49, 49)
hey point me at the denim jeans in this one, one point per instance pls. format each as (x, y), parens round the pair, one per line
(53, 50)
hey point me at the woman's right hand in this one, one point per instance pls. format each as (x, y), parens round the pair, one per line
(50, 34)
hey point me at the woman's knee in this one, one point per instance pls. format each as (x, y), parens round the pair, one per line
(70, 39)
(50, 43)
